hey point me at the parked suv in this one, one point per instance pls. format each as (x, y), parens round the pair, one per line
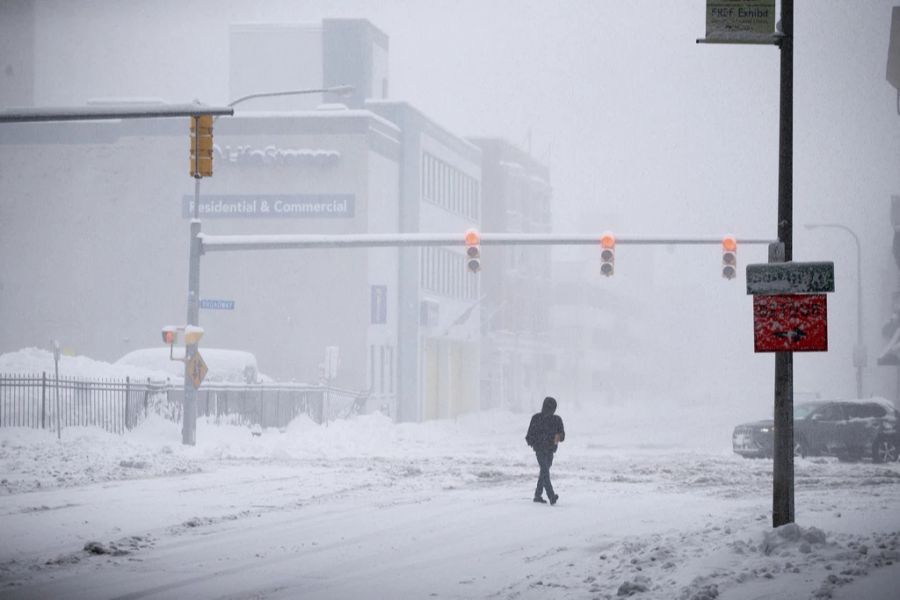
(849, 430)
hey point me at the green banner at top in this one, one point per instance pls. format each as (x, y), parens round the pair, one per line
(740, 18)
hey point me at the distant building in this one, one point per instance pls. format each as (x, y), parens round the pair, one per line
(17, 48)
(298, 56)
(440, 191)
(516, 280)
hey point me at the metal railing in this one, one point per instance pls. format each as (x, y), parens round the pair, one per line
(44, 402)
(269, 404)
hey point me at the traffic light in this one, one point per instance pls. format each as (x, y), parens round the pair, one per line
(201, 146)
(607, 254)
(169, 334)
(729, 257)
(473, 250)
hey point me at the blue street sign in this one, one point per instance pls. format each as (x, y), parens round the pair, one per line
(217, 304)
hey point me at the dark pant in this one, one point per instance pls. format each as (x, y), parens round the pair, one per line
(545, 459)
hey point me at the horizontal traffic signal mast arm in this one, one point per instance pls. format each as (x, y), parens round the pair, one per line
(110, 111)
(226, 243)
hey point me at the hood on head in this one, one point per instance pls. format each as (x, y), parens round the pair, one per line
(549, 406)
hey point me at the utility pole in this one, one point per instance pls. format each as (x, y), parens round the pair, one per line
(189, 418)
(783, 463)
(725, 25)
(201, 166)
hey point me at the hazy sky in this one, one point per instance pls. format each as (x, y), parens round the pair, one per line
(644, 130)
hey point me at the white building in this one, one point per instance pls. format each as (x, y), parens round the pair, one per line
(96, 215)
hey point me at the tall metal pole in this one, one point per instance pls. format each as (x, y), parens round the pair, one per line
(783, 463)
(859, 356)
(189, 417)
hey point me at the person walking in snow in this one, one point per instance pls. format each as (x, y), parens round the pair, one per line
(545, 432)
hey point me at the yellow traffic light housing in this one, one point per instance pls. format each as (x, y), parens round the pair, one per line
(192, 334)
(201, 146)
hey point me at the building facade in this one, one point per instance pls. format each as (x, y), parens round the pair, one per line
(95, 218)
(98, 215)
(517, 354)
(440, 192)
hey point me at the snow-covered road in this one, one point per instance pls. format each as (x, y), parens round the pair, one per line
(368, 509)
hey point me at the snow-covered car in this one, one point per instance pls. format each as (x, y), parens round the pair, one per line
(225, 366)
(850, 430)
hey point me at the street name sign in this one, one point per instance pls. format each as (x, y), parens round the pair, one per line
(790, 278)
(790, 323)
(207, 303)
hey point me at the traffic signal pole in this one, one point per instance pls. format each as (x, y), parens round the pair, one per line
(202, 243)
(201, 166)
(783, 459)
(189, 417)
(231, 243)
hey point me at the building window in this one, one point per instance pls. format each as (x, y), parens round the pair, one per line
(449, 188)
(444, 272)
(390, 369)
(381, 370)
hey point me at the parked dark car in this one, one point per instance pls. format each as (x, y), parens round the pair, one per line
(849, 430)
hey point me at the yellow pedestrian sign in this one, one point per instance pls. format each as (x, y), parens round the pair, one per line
(197, 369)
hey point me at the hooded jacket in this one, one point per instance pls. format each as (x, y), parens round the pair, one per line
(544, 427)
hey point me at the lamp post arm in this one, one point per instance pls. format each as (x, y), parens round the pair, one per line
(338, 89)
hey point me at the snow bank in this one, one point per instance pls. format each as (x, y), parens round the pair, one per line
(34, 361)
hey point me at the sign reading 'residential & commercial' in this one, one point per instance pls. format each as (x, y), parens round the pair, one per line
(286, 206)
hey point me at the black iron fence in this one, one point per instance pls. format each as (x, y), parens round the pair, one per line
(42, 401)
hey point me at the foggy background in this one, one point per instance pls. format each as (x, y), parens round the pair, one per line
(645, 132)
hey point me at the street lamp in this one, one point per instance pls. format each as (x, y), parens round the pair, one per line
(859, 352)
(341, 90)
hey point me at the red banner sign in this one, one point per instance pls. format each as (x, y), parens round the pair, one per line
(790, 323)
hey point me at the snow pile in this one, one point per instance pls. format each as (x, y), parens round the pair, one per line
(722, 559)
(34, 361)
(233, 366)
(32, 459)
(787, 538)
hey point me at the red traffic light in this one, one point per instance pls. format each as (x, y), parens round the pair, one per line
(473, 250)
(169, 334)
(607, 254)
(729, 257)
